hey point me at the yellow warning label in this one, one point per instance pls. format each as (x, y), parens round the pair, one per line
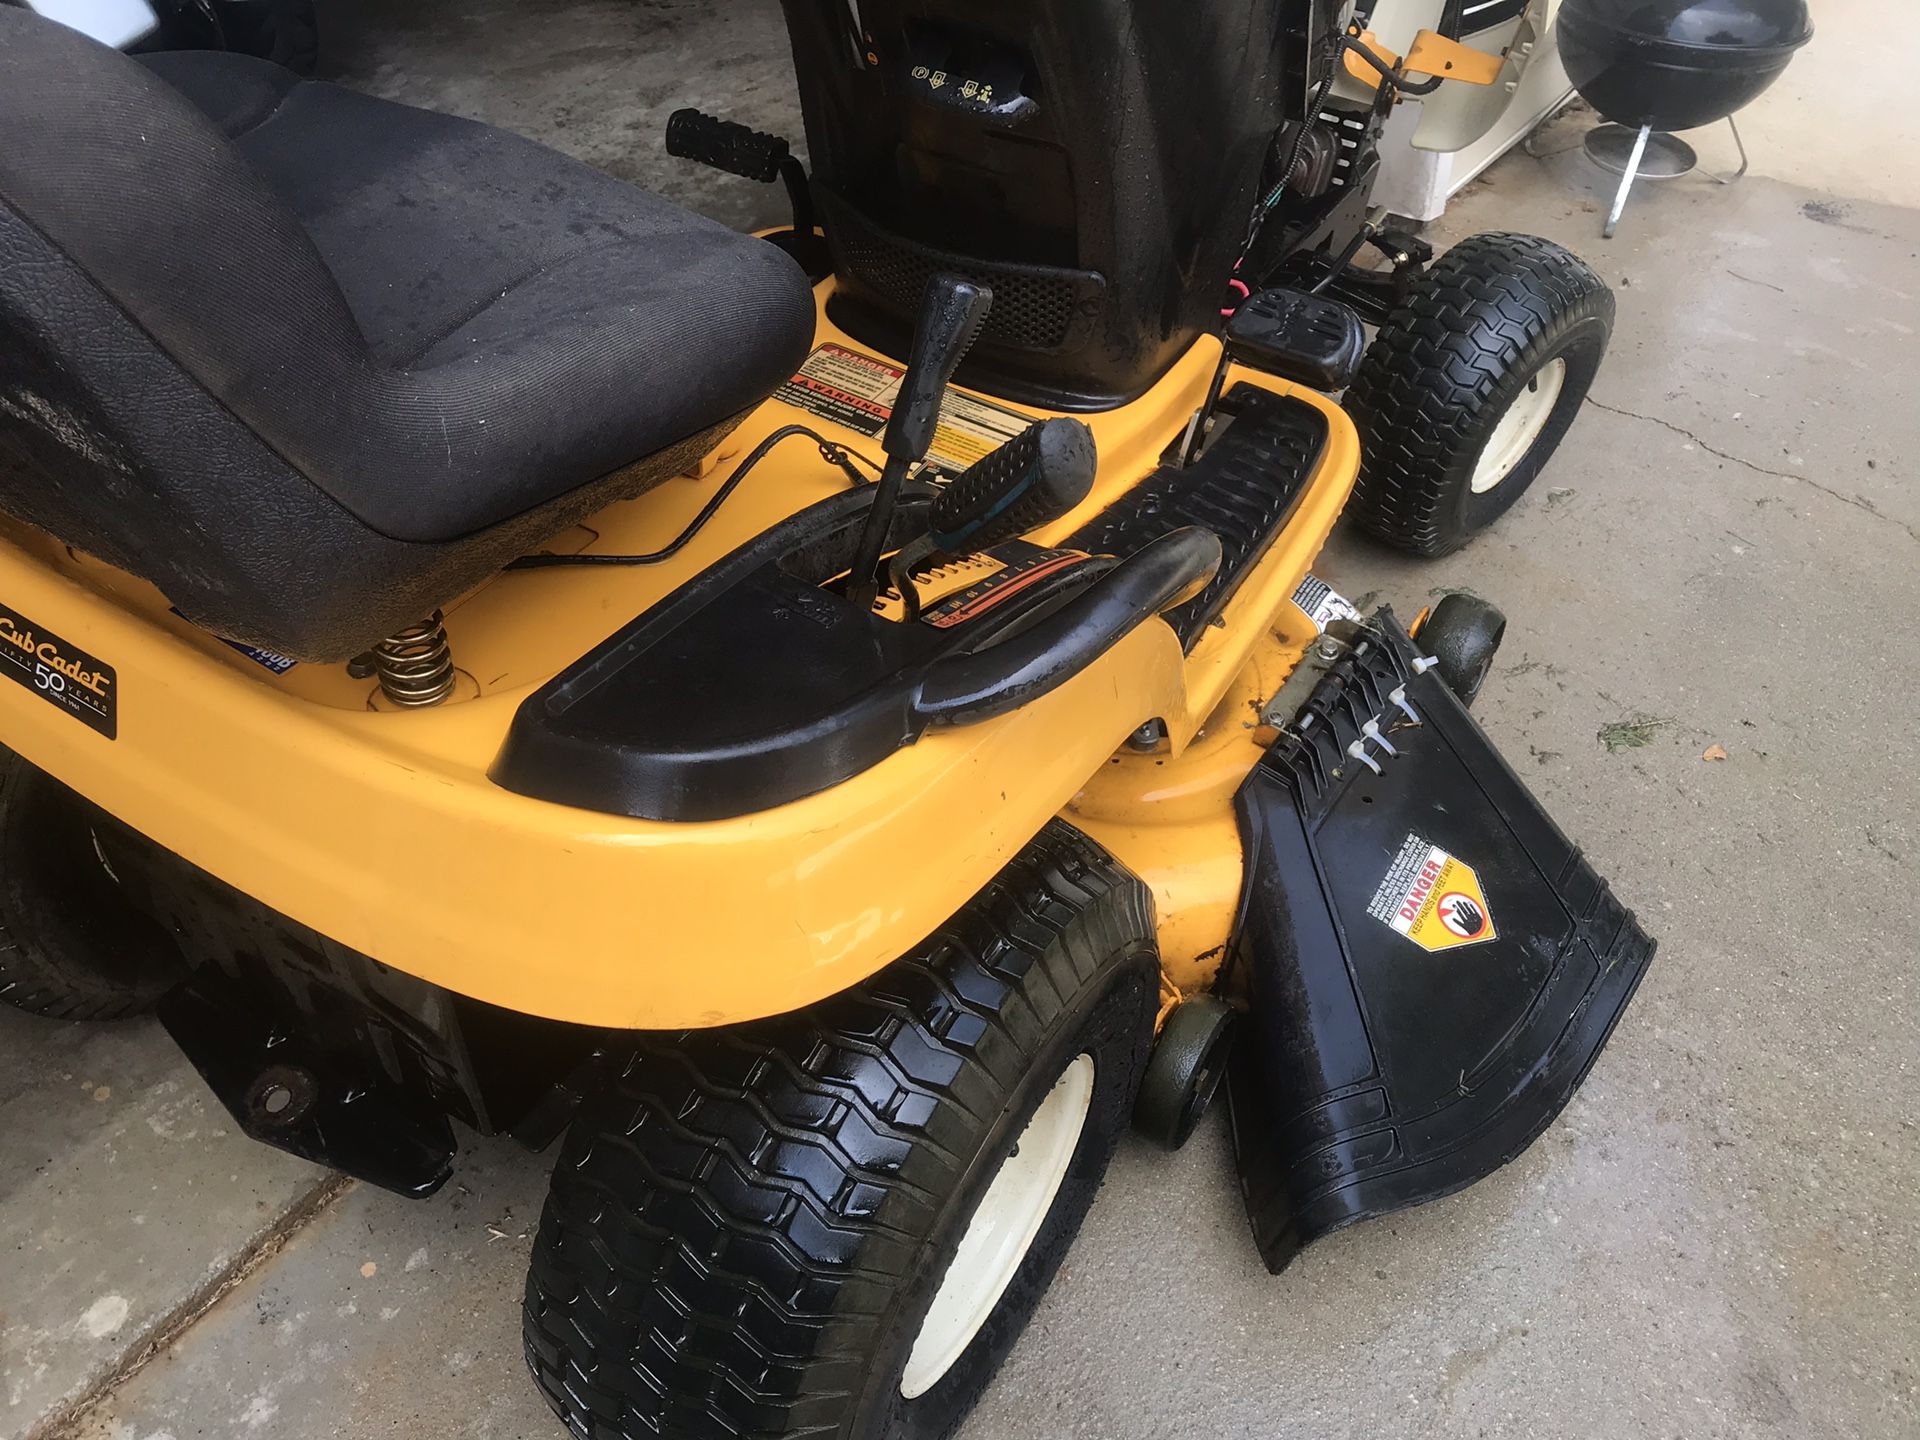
(952, 592)
(1433, 898)
(858, 391)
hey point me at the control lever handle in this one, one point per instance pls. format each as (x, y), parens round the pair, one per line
(951, 314)
(725, 145)
(950, 317)
(1036, 477)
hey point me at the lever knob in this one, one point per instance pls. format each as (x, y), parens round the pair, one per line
(1036, 477)
(725, 145)
(951, 315)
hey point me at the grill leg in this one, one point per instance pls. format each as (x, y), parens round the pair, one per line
(1626, 181)
(1739, 145)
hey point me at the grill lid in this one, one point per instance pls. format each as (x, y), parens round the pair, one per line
(1693, 31)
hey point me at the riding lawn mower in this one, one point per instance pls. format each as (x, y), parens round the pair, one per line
(833, 726)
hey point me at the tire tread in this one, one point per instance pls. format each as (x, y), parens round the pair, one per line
(1465, 324)
(815, 1146)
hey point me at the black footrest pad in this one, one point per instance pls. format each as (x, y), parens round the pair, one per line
(1305, 338)
(1242, 489)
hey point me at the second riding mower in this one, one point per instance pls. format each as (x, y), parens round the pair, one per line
(836, 725)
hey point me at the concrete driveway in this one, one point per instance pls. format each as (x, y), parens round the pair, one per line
(1721, 1237)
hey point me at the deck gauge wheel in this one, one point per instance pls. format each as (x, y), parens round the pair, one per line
(1189, 1061)
(1463, 633)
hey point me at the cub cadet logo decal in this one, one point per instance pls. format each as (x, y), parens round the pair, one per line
(47, 652)
(58, 672)
(1432, 898)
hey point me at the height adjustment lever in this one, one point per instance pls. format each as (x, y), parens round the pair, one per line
(951, 315)
(1036, 477)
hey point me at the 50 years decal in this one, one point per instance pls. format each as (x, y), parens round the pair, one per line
(59, 672)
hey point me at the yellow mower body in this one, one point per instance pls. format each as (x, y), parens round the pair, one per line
(379, 827)
(438, 684)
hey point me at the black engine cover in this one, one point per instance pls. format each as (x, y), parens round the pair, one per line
(1432, 967)
(1092, 161)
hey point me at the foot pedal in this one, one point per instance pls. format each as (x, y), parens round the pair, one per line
(1432, 966)
(726, 145)
(1243, 488)
(1304, 338)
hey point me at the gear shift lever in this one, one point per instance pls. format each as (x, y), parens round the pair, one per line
(950, 318)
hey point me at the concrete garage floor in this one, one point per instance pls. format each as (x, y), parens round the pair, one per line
(1721, 1237)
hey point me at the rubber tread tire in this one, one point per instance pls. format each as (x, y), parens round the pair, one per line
(746, 1225)
(1472, 330)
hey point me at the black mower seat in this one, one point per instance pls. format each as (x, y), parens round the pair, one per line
(314, 363)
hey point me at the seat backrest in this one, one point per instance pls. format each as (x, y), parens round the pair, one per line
(150, 287)
(195, 384)
(123, 175)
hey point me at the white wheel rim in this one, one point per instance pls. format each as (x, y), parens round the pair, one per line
(1513, 437)
(1002, 1230)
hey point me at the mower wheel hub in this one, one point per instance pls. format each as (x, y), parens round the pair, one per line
(1513, 437)
(1002, 1230)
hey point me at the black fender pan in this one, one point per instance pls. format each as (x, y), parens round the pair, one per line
(1431, 966)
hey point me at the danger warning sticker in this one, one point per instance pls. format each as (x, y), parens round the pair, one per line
(1433, 898)
(1321, 603)
(858, 391)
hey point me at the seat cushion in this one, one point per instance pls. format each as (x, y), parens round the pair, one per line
(314, 363)
(556, 322)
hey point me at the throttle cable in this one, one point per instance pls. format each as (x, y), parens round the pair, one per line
(831, 451)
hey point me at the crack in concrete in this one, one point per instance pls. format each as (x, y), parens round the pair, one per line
(1859, 503)
(67, 1420)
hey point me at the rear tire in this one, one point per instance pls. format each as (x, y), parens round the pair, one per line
(749, 1228)
(1501, 328)
(72, 945)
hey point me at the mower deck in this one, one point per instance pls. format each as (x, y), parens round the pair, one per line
(381, 827)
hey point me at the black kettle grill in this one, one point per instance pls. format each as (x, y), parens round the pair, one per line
(1654, 66)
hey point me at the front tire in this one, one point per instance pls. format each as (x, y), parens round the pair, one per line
(752, 1231)
(1471, 385)
(72, 945)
